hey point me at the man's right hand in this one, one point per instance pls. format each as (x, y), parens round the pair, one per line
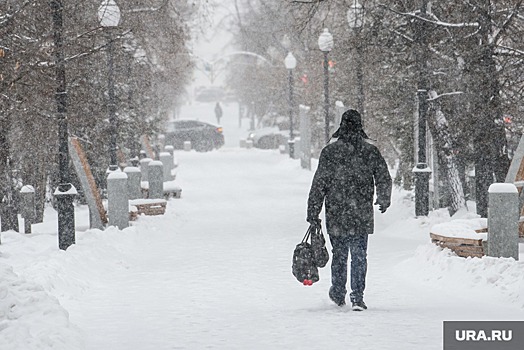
(314, 221)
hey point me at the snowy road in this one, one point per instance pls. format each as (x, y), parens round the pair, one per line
(214, 272)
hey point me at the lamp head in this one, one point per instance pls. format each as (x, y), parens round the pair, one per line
(109, 14)
(355, 15)
(290, 61)
(325, 41)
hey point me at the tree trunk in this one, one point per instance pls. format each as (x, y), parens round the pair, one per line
(491, 159)
(440, 130)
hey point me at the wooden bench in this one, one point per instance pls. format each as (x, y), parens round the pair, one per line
(170, 190)
(464, 247)
(466, 238)
(147, 207)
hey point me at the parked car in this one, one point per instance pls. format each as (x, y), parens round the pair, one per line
(269, 138)
(203, 136)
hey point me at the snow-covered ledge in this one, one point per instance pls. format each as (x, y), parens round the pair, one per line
(463, 228)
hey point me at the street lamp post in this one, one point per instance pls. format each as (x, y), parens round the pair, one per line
(290, 62)
(355, 17)
(325, 43)
(109, 17)
(65, 192)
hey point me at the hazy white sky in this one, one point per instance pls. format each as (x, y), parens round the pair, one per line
(212, 39)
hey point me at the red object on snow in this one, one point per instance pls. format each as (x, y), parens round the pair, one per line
(308, 282)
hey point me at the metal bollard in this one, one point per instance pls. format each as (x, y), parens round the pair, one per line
(134, 177)
(117, 200)
(27, 206)
(156, 180)
(503, 220)
(143, 167)
(167, 161)
(187, 146)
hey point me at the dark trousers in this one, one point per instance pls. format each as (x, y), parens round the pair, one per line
(357, 245)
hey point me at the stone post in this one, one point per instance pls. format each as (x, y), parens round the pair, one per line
(117, 200)
(170, 149)
(144, 163)
(503, 220)
(297, 145)
(305, 137)
(134, 177)
(156, 180)
(27, 206)
(167, 161)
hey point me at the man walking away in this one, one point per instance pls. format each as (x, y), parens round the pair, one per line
(348, 172)
(218, 112)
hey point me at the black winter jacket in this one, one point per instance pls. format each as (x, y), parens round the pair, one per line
(347, 173)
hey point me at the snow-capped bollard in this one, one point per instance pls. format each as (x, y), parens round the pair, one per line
(503, 220)
(161, 139)
(27, 206)
(156, 180)
(249, 144)
(144, 163)
(167, 162)
(64, 195)
(187, 146)
(243, 143)
(170, 149)
(134, 177)
(117, 200)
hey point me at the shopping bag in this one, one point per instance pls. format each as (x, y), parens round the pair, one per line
(318, 243)
(305, 264)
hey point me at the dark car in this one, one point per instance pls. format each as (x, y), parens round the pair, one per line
(203, 136)
(269, 137)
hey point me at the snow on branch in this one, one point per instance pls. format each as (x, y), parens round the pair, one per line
(433, 95)
(306, 1)
(438, 23)
(507, 22)
(505, 50)
(147, 9)
(6, 18)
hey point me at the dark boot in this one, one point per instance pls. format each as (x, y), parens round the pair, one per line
(337, 299)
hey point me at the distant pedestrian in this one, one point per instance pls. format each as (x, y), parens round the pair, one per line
(218, 112)
(348, 172)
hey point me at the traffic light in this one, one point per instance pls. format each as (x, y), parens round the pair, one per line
(304, 78)
(331, 66)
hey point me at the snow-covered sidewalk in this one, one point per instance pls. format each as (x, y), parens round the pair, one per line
(215, 272)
